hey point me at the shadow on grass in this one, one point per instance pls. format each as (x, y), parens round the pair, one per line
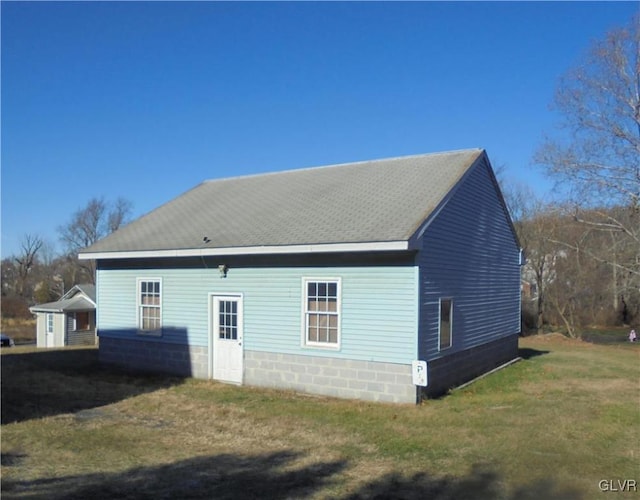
(480, 484)
(528, 353)
(271, 476)
(38, 384)
(226, 476)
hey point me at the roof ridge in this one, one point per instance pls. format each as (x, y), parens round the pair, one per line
(334, 165)
(366, 201)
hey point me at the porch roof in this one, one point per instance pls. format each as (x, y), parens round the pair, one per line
(74, 304)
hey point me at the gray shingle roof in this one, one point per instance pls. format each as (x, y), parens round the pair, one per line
(88, 289)
(69, 305)
(371, 201)
(73, 300)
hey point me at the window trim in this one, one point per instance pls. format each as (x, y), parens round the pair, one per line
(140, 330)
(305, 301)
(50, 328)
(75, 321)
(440, 346)
(228, 315)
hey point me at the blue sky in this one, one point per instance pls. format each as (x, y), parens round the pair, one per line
(146, 100)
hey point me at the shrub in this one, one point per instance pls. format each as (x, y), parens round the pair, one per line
(15, 307)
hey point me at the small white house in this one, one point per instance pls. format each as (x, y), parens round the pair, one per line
(68, 321)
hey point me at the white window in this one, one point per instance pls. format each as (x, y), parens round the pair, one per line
(446, 323)
(322, 312)
(49, 323)
(149, 305)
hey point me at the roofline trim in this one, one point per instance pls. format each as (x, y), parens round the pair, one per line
(374, 246)
(433, 215)
(36, 309)
(82, 292)
(54, 307)
(343, 164)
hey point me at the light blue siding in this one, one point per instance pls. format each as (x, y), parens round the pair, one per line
(469, 253)
(378, 314)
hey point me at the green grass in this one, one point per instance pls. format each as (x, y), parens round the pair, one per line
(550, 426)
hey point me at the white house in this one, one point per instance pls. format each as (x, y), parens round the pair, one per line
(68, 321)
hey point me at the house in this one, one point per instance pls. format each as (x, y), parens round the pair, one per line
(381, 280)
(69, 321)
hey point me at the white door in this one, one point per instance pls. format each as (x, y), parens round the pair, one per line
(49, 329)
(227, 353)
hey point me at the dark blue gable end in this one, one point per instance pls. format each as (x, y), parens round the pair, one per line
(469, 255)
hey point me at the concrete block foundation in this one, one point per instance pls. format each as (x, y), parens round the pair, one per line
(455, 369)
(342, 378)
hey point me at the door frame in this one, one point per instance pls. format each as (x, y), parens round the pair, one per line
(211, 323)
(50, 336)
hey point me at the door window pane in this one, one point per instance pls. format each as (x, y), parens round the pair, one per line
(228, 320)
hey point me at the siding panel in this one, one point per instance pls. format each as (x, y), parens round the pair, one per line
(378, 316)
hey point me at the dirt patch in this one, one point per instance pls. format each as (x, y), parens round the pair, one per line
(108, 414)
(597, 338)
(553, 338)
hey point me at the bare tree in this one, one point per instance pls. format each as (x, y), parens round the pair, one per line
(518, 199)
(89, 224)
(86, 226)
(50, 265)
(119, 214)
(598, 155)
(595, 157)
(537, 224)
(29, 247)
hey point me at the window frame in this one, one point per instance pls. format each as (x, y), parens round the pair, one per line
(76, 322)
(232, 331)
(337, 313)
(50, 323)
(441, 346)
(139, 306)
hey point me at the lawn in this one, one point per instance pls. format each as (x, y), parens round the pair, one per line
(554, 425)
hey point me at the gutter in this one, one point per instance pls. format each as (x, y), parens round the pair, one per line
(401, 245)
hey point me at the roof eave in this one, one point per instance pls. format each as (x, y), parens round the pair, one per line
(73, 292)
(374, 246)
(36, 309)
